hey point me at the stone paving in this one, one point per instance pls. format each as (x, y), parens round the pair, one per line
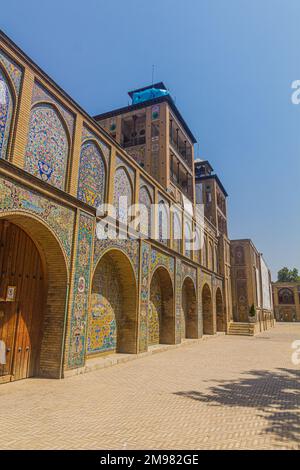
(225, 392)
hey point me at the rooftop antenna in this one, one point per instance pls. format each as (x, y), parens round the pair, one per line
(153, 67)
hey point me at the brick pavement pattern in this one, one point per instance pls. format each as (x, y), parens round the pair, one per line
(226, 392)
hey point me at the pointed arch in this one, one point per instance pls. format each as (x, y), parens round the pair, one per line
(92, 174)
(122, 189)
(54, 293)
(204, 253)
(207, 310)
(220, 312)
(163, 222)
(112, 325)
(47, 150)
(7, 105)
(146, 199)
(189, 312)
(161, 315)
(177, 231)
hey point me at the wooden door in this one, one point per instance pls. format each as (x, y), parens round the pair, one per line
(8, 319)
(21, 327)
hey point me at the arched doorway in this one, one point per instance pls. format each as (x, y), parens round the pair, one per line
(207, 310)
(33, 288)
(189, 314)
(221, 324)
(161, 320)
(113, 314)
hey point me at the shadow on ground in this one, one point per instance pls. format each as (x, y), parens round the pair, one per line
(275, 394)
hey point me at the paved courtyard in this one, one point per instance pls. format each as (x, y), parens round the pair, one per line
(225, 392)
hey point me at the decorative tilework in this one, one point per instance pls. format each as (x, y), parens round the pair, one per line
(106, 306)
(6, 111)
(129, 247)
(89, 135)
(190, 271)
(59, 218)
(40, 94)
(160, 259)
(163, 221)
(81, 292)
(14, 71)
(130, 170)
(178, 302)
(145, 199)
(92, 175)
(144, 298)
(122, 188)
(47, 147)
(187, 238)
(155, 311)
(177, 231)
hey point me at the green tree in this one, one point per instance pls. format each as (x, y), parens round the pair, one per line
(288, 275)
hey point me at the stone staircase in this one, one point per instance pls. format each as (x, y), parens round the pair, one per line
(243, 329)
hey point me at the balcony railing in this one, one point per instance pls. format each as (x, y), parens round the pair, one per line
(139, 140)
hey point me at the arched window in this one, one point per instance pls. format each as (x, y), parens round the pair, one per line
(122, 193)
(91, 181)
(286, 296)
(177, 235)
(163, 222)
(187, 239)
(197, 245)
(6, 113)
(146, 201)
(210, 256)
(216, 259)
(47, 147)
(204, 253)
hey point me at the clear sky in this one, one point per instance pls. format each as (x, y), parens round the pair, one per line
(228, 64)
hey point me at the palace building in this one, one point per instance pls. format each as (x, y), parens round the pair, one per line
(286, 296)
(251, 289)
(67, 296)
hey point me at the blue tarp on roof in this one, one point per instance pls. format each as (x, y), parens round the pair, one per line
(149, 94)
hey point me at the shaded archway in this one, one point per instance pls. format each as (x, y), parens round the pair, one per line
(207, 310)
(34, 264)
(112, 323)
(221, 323)
(189, 314)
(161, 319)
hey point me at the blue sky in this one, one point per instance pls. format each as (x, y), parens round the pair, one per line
(229, 65)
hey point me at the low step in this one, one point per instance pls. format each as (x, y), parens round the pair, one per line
(242, 329)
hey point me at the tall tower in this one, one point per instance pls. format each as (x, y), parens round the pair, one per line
(211, 193)
(154, 133)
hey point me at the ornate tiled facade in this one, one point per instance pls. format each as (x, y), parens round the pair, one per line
(13, 70)
(47, 147)
(129, 247)
(18, 199)
(105, 308)
(122, 189)
(154, 311)
(81, 286)
(6, 113)
(104, 295)
(92, 175)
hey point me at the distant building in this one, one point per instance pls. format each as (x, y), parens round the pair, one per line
(286, 297)
(251, 286)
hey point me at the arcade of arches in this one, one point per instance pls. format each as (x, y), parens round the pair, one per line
(65, 296)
